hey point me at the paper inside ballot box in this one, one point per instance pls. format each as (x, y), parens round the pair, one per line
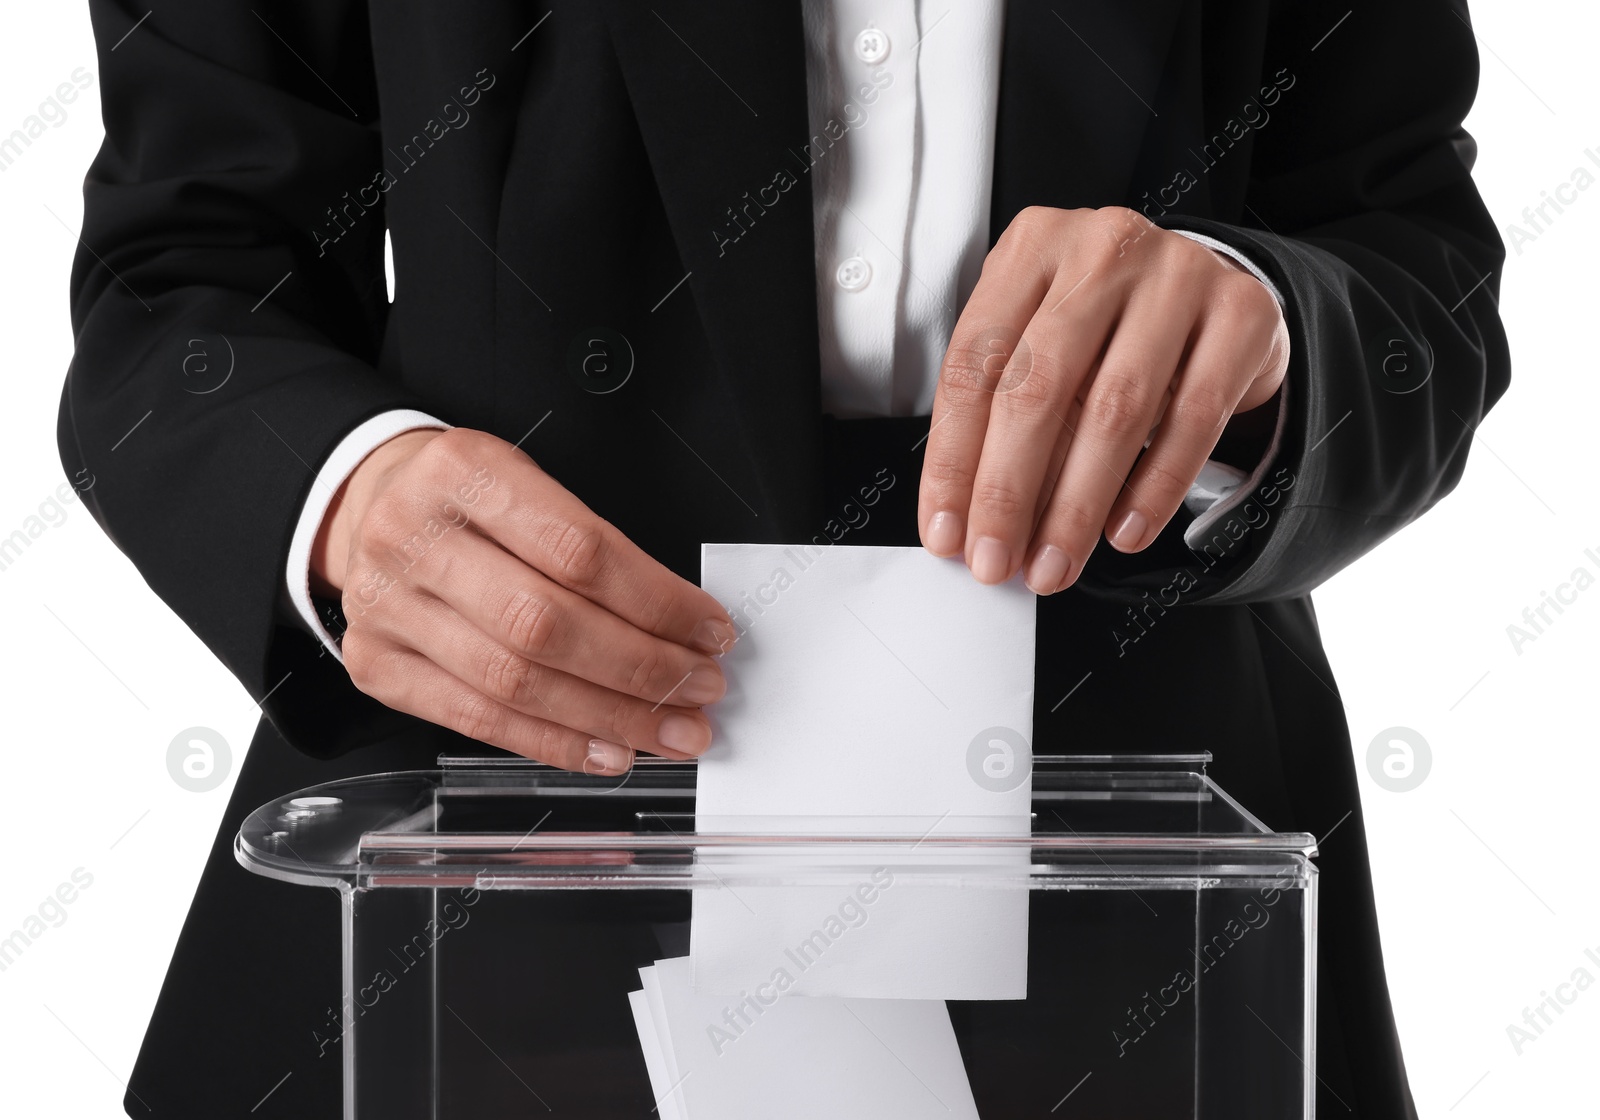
(872, 691)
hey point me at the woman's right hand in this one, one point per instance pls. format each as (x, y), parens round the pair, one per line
(482, 595)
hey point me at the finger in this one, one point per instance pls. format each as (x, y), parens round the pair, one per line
(502, 674)
(532, 615)
(409, 682)
(1016, 275)
(1119, 409)
(1058, 459)
(1274, 366)
(1028, 427)
(543, 524)
(1228, 350)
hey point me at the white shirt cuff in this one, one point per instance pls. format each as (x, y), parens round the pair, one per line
(344, 459)
(1234, 255)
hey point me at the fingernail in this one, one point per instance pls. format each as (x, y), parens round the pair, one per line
(991, 560)
(1130, 533)
(704, 686)
(714, 636)
(945, 535)
(683, 733)
(1048, 569)
(607, 758)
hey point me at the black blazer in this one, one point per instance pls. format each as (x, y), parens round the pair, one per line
(543, 186)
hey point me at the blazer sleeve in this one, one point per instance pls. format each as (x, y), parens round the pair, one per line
(1361, 209)
(222, 347)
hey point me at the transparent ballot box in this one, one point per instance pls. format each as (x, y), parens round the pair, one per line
(520, 940)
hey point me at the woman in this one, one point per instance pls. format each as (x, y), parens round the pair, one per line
(717, 270)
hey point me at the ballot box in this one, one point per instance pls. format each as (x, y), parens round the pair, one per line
(1153, 942)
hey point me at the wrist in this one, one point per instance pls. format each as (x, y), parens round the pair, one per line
(330, 549)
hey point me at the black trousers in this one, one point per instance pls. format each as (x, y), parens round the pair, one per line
(255, 974)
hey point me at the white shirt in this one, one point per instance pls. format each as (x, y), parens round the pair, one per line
(901, 203)
(901, 97)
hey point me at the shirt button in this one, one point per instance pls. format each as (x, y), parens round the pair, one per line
(872, 46)
(853, 274)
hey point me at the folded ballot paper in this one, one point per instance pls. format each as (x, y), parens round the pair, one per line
(799, 1058)
(873, 691)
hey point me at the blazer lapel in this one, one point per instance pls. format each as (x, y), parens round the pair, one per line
(719, 89)
(1081, 85)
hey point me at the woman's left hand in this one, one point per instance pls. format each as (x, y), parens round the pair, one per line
(1089, 332)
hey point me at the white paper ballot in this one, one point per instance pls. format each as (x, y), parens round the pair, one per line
(669, 1103)
(720, 1056)
(872, 690)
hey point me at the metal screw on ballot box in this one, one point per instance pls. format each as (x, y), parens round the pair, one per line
(299, 808)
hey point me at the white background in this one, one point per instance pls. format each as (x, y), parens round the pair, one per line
(1485, 872)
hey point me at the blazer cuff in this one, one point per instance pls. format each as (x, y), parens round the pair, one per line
(345, 457)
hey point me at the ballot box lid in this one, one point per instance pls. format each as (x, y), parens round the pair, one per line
(1097, 822)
